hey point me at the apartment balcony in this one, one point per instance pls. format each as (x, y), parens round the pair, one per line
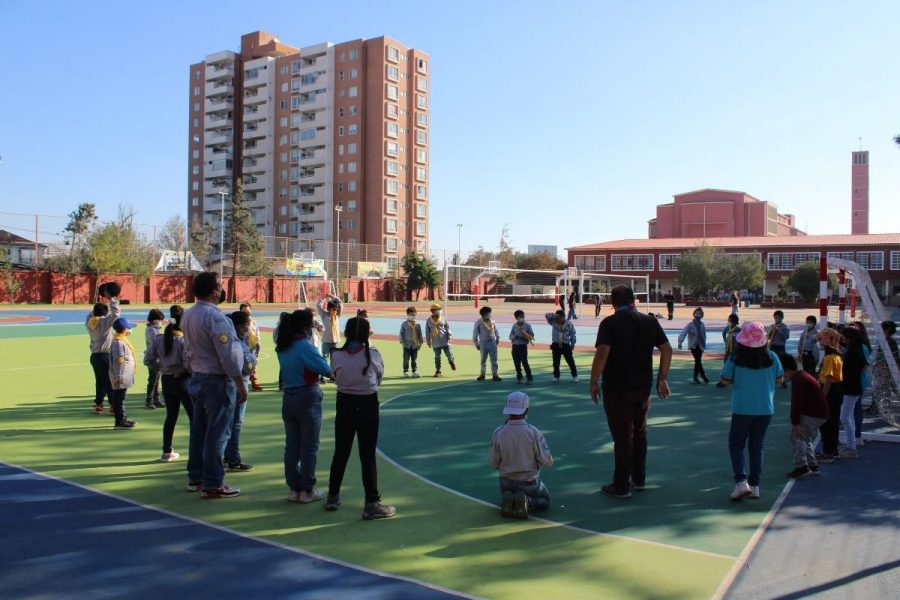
(220, 71)
(223, 87)
(220, 136)
(312, 102)
(212, 188)
(253, 182)
(253, 149)
(216, 122)
(309, 158)
(314, 196)
(256, 98)
(256, 130)
(253, 165)
(217, 153)
(219, 104)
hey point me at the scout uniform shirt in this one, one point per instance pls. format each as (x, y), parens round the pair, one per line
(437, 332)
(100, 328)
(411, 335)
(121, 362)
(485, 333)
(211, 343)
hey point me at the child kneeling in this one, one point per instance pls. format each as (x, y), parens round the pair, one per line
(517, 451)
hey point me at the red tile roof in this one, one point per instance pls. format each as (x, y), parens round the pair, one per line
(872, 239)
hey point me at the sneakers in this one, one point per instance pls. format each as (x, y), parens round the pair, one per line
(332, 502)
(169, 456)
(193, 486)
(125, 425)
(697, 381)
(848, 453)
(827, 457)
(754, 492)
(520, 505)
(638, 486)
(507, 504)
(239, 467)
(452, 364)
(293, 496)
(496, 378)
(720, 385)
(222, 492)
(312, 495)
(158, 404)
(815, 470)
(377, 510)
(480, 377)
(799, 472)
(256, 387)
(529, 381)
(556, 379)
(99, 409)
(519, 379)
(860, 442)
(615, 491)
(574, 378)
(415, 375)
(437, 373)
(741, 491)
(405, 375)
(149, 406)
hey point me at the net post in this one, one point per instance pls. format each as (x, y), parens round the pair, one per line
(446, 283)
(823, 291)
(842, 296)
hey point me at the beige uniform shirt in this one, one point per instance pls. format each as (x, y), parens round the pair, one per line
(518, 450)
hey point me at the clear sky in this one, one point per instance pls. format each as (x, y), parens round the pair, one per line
(568, 121)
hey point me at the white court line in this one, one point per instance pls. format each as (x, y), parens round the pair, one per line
(423, 479)
(239, 534)
(45, 367)
(741, 561)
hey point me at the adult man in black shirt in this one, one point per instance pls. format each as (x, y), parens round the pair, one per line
(624, 357)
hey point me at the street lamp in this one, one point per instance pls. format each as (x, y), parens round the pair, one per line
(337, 267)
(458, 253)
(222, 194)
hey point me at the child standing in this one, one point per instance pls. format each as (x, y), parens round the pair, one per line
(154, 328)
(731, 330)
(808, 411)
(253, 342)
(521, 335)
(486, 338)
(778, 333)
(358, 370)
(572, 300)
(562, 342)
(233, 462)
(831, 378)
(695, 332)
(411, 340)
(808, 347)
(437, 336)
(121, 371)
(852, 376)
(517, 452)
(329, 308)
(99, 325)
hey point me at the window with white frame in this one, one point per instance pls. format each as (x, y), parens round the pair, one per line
(340, 130)
(421, 210)
(354, 72)
(351, 204)
(391, 167)
(421, 192)
(353, 54)
(352, 128)
(392, 130)
(282, 210)
(668, 262)
(421, 101)
(393, 73)
(353, 92)
(391, 187)
(390, 225)
(351, 167)
(895, 260)
(788, 261)
(195, 201)
(352, 110)
(632, 262)
(393, 54)
(392, 92)
(351, 148)
(421, 174)
(391, 111)
(421, 119)
(421, 65)
(391, 148)
(421, 228)
(421, 84)
(841, 255)
(421, 246)
(195, 185)
(871, 261)
(351, 224)
(421, 138)
(421, 155)
(351, 185)
(391, 206)
(390, 244)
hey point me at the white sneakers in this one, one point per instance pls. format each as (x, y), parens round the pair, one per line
(741, 490)
(575, 379)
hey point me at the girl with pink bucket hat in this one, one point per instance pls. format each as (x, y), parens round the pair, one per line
(753, 370)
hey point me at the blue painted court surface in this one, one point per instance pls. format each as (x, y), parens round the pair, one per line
(60, 540)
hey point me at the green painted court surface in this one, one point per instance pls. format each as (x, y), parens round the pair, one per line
(676, 540)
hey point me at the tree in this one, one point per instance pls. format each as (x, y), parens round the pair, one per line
(695, 270)
(897, 139)
(743, 272)
(202, 240)
(542, 261)
(247, 245)
(119, 248)
(805, 281)
(480, 257)
(74, 235)
(11, 283)
(506, 254)
(174, 236)
(420, 272)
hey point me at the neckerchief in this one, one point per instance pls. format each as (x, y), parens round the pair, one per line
(524, 333)
(335, 331)
(415, 334)
(729, 339)
(124, 338)
(489, 326)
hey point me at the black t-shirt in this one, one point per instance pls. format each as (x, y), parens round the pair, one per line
(631, 336)
(854, 365)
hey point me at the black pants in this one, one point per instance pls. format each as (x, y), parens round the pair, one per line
(670, 308)
(176, 395)
(626, 414)
(102, 385)
(356, 416)
(697, 353)
(152, 385)
(565, 350)
(520, 360)
(830, 429)
(117, 400)
(809, 362)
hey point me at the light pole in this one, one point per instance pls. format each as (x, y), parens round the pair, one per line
(222, 194)
(337, 266)
(458, 253)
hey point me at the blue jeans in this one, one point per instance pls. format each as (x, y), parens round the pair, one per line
(301, 411)
(213, 414)
(437, 356)
(102, 385)
(233, 447)
(488, 349)
(410, 355)
(328, 348)
(747, 430)
(537, 493)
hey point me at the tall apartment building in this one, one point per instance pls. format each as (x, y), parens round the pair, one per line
(859, 195)
(308, 131)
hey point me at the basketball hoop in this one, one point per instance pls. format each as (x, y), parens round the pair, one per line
(573, 272)
(493, 267)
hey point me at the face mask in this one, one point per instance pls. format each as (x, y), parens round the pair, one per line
(410, 317)
(520, 321)
(435, 313)
(779, 319)
(810, 326)
(698, 316)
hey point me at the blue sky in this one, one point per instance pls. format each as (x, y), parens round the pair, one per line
(568, 121)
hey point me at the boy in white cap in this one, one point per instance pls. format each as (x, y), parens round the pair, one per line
(517, 451)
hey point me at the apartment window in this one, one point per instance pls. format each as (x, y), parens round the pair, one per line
(307, 134)
(283, 121)
(393, 73)
(295, 155)
(282, 193)
(340, 149)
(632, 262)
(391, 148)
(421, 156)
(353, 92)
(352, 110)
(351, 148)
(340, 187)
(391, 167)
(340, 112)
(283, 157)
(295, 102)
(195, 201)
(285, 69)
(284, 87)
(351, 204)
(295, 137)
(421, 210)
(195, 170)
(871, 261)
(421, 119)
(354, 73)
(390, 225)
(351, 167)
(251, 73)
(195, 186)
(282, 140)
(392, 130)
(390, 245)
(668, 262)
(421, 84)
(392, 92)
(421, 174)
(283, 104)
(196, 90)
(391, 187)
(196, 122)
(282, 210)
(195, 154)
(196, 75)
(393, 54)
(196, 106)
(295, 120)
(421, 102)
(353, 54)
(421, 192)
(351, 224)
(341, 168)
(340, 130)
(421, 65)
(352, 129)
(391, 111)
(421, 138)
(787, 261)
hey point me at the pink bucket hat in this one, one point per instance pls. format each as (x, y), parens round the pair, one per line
(830, 337)
(752, 335)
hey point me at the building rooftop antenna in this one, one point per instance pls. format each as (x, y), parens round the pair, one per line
(860, 143)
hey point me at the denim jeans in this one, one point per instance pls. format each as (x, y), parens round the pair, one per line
(175, 392)
(488, 349)
(357, 416)
(437, 355)
(102, 384)
(213, 413)
(626, 414)
(328, 348)
(848, 421)
(537, 493)
(563, 350)
(747, 430)
(301, 411)
(410, 355)
(233, 446)
(520, 360)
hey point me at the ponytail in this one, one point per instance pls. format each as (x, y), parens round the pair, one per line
(175, 313)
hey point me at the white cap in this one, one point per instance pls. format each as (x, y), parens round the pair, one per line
(516, 403)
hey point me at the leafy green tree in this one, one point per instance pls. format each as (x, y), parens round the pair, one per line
(11, 283)
(737, 272)
(174, 236)
(202, 240)
(81, 220)
(421, 272)
(119, 248)
(247, 245)
(542, 261)
(805, 281)
(480, 257)
(695, 270)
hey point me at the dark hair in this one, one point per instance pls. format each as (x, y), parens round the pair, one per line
(519, 313)
(362, 313)
(485, 310)
(733, 318)
(293, 326)
(100, 310)
(889, 328)
(778, 313)
(175, 313)
(561, 313)
(812, 318)
(621, 295)
(204, 284)
(356, 330)
(788, 362)
(854, 343)
(244, 305)
(752, 358)
(155, 315)
(332, 304)
(858, 325)
(239, 317)
(411, 309)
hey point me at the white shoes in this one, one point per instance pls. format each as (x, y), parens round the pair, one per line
(169, 456)
(575, 379)
(556, 379)
(754, 492)
(741, 490)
